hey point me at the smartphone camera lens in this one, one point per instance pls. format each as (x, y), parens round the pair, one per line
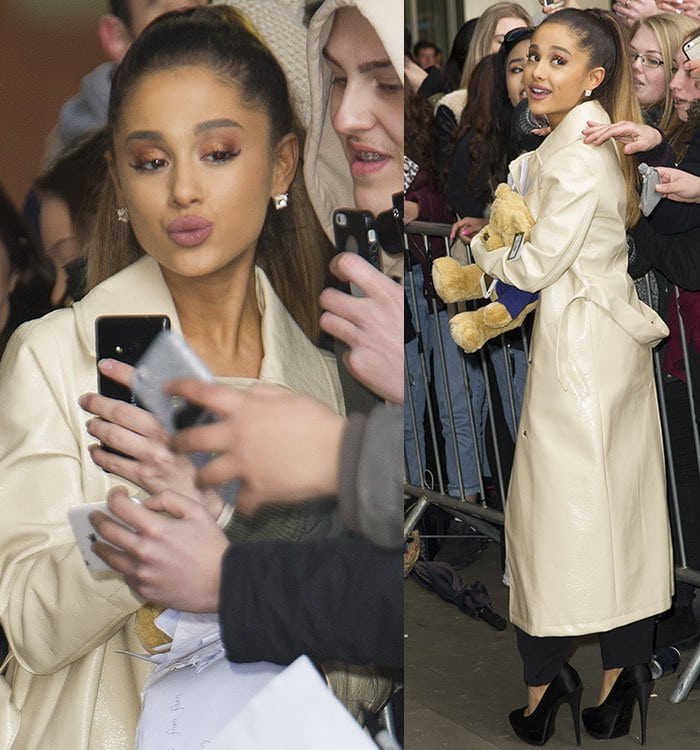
(341, 220)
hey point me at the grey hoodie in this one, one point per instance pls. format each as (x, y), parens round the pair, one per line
(326, 170)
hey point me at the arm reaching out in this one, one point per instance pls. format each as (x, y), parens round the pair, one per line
(679, 185)
(634, 135)
(302, 434)
(371, 326)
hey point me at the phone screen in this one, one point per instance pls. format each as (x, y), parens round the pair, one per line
(125, 338)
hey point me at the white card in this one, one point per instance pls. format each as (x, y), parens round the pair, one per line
(85, 534)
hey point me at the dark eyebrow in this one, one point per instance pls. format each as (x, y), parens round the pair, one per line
(144, 135)
(365, 67)
(554, 46)
(202, 127)
(222, 122)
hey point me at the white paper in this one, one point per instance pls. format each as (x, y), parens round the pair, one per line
(193, 690)
(294, 711)
(184, 710)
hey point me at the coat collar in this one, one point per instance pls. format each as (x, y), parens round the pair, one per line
(290, 359)
(568, 131)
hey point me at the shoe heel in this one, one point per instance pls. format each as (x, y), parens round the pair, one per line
(643, 691)
(575, 705)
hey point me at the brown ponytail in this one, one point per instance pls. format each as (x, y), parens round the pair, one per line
(606, 42)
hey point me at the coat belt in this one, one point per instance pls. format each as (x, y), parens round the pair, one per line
(643, 325)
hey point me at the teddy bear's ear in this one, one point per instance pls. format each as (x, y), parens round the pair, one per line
(502, 190)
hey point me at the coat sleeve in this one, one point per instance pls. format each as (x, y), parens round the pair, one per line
(371, 475)
(332, 599)
(676, 256)
(568, 201)
(672, 217)
(52, 609)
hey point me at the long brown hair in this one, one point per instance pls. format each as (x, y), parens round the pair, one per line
(606, 43)
(487, 115)
(292, 248)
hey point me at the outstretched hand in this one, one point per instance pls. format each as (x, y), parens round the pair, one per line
(679, 185)
(557, 6)
(636, 136)
(371, 326)
(631, 11)
(172, 560)
(467, 227)
(284, 446)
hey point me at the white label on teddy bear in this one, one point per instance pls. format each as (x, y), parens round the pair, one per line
(488, 284)
(517, 246)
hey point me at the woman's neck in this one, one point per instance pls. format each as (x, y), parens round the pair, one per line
(220, 320)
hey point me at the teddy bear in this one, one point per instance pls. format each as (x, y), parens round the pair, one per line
(453, 282)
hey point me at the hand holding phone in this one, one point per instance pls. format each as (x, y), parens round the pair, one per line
(124, 338)
(85, 534)
(354, 232)
(170, 358)
(691, 49)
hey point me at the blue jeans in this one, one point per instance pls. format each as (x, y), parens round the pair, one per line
(509, 369)
(449, 391)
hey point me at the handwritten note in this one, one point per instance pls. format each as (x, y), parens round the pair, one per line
(184, 710)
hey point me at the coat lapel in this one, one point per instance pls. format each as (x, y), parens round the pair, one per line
(289, 359)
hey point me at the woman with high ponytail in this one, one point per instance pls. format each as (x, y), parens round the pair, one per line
(587, 533)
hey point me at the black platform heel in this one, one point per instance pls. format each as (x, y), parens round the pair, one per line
(613, 717)
(538, 727)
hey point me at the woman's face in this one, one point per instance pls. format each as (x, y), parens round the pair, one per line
(366, 106)
(194, 166)
(682, 87)
(8, 279)
(515, 66)
(503, 26)
(58, 240)
(557, 73)
(649, 83)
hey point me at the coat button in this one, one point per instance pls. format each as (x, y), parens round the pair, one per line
(524, 433)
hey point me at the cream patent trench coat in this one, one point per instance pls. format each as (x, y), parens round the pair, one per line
(71, 688)
(587, 535)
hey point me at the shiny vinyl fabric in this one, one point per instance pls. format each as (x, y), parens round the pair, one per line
(73, 691)
(587, 534)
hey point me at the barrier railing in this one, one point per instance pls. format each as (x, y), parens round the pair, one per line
(455, 401)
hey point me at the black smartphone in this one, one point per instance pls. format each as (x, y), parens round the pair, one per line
(125, 338)
(354, 232)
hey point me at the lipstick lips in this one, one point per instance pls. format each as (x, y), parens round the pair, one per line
(541, 92)
(189, 231)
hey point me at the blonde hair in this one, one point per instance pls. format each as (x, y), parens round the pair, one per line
(670, 30)
(484, 31)
(292, 248)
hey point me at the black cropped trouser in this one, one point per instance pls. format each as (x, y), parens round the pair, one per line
(625, 646)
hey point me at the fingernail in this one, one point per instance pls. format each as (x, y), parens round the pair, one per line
(82, 401)
(105, 364)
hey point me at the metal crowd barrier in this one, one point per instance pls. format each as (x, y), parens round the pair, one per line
(427, 370)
